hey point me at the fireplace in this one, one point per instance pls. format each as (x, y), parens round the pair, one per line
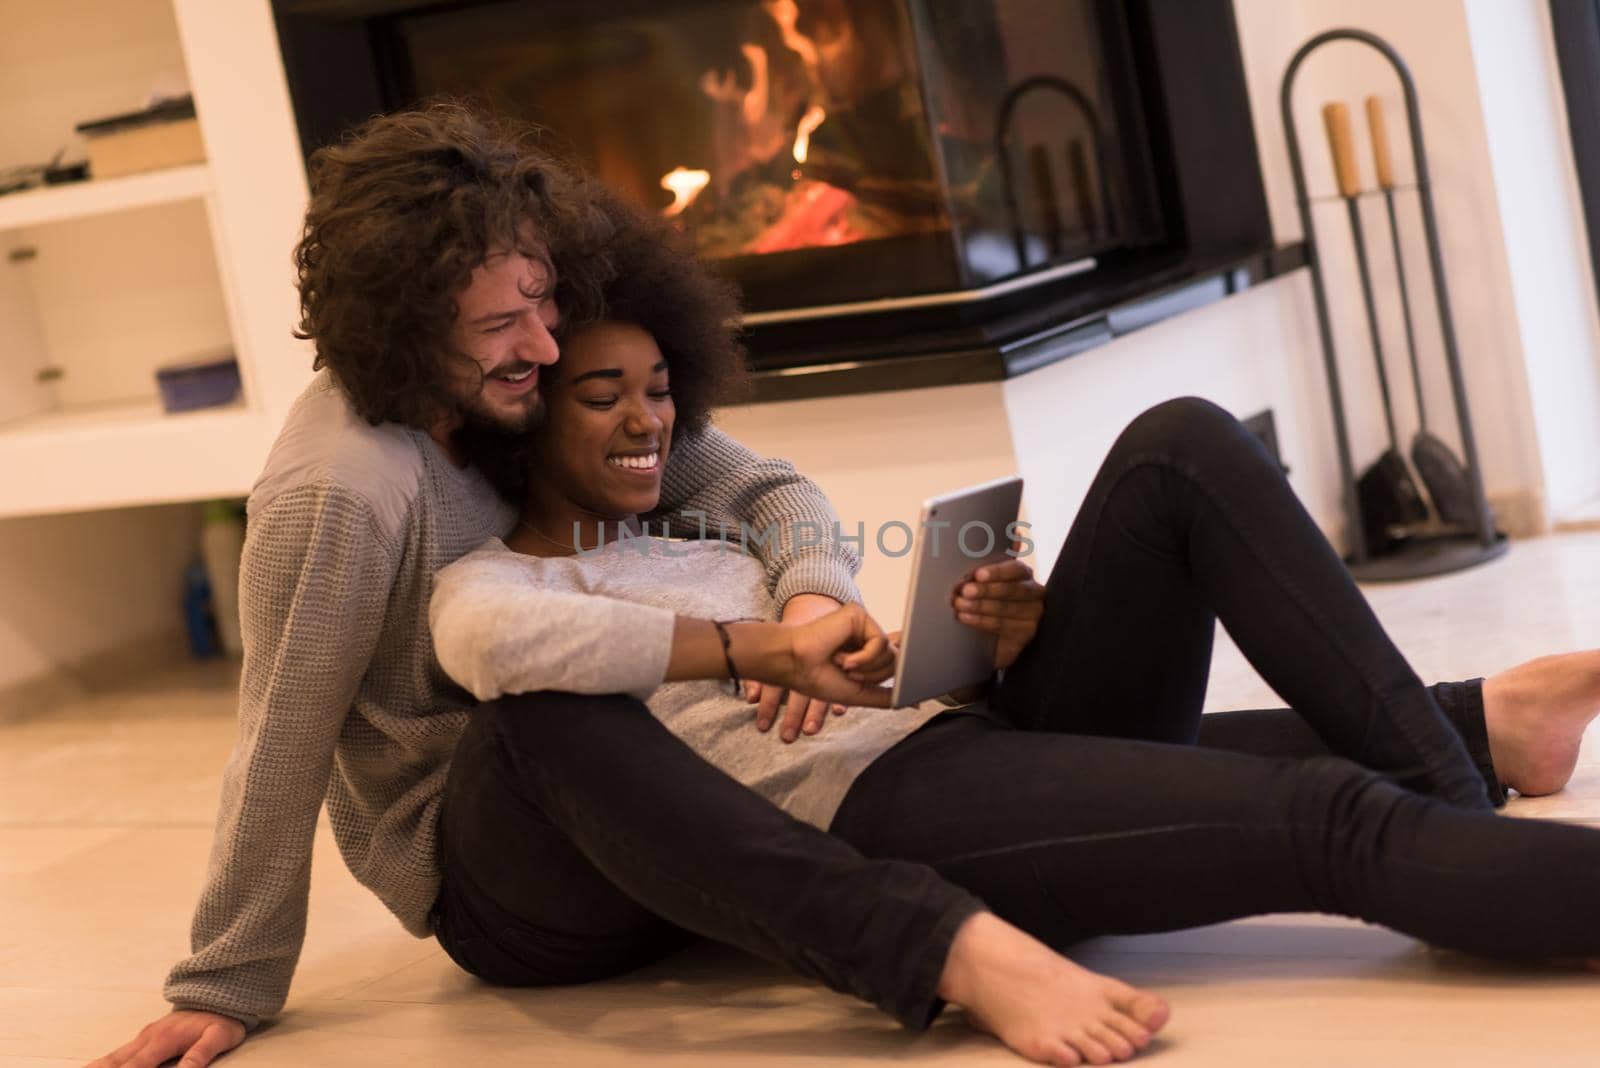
(886, 180)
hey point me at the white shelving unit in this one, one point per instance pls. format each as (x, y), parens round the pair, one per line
(105, 280)
(78, 200)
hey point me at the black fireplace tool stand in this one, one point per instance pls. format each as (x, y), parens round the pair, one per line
(1423, 549)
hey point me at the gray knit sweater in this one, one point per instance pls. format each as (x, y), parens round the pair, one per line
(342, 698)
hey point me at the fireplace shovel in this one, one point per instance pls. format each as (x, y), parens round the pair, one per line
(1386, 493)
(1441, 471)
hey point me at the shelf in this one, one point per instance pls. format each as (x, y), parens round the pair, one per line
(130, 453)
(105, 415)
(249, 197)
(77, 200)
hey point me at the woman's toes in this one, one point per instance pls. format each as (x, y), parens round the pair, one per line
(1053, 1050)
(1119, 1048)
(1092, 1050)
(1129, 1028)
(1149, 1010)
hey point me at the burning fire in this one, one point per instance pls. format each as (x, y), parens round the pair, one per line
(684, 185)
(808, 122)
(786, 13)
(751, 128)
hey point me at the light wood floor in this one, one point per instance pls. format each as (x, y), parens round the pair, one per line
(105, 821)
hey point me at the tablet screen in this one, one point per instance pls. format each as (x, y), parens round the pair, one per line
(958, 533)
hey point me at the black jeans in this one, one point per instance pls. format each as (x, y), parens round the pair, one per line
(581, 839)
(1085, 806)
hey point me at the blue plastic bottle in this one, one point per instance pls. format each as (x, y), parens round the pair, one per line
(197, 615)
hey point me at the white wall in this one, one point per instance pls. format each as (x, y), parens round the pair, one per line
(1433, 37)
(75, 585)
(1547, 247)
(1250, 352)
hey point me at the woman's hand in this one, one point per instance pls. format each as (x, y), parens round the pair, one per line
(196, 1037)
(1004, 601)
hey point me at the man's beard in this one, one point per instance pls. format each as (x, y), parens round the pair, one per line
(503, 451)
(476, 411)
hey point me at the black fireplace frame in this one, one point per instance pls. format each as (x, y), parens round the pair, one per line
(340, 60)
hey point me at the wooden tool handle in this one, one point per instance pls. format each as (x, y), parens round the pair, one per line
(1380, 143)
(1337, 119)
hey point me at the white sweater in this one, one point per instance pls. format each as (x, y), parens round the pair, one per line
(601, 622)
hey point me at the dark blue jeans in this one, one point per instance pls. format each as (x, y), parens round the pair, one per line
(581, 839)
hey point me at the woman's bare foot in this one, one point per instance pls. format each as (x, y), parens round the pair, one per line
(1039, 1003)
(1536, 714)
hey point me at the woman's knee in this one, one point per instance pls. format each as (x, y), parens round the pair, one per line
(542, 741)
(520, 957)
(1342, 800)
(547, 716)
(1181, 425)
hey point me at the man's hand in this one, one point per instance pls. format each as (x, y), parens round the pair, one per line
(845, 654)
(800, 713)
(1002, 600)
(196, 1037)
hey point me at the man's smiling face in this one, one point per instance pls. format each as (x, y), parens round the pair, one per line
(505, 319)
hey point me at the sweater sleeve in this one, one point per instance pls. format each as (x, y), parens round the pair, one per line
(787, 521)
(497, 632)
(314, 581)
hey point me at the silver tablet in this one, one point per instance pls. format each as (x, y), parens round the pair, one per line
(959, 533)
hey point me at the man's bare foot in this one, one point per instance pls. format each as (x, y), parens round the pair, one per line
(1039, 1003)
(1536, 714)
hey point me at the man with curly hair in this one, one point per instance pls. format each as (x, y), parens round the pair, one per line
(441, 256)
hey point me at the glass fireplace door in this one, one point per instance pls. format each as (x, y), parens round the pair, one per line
(823, 151)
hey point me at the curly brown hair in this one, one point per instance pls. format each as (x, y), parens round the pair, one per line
(402, 211)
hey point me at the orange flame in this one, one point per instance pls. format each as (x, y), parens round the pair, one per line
(808, 122)
(786, 13)
(684, 185)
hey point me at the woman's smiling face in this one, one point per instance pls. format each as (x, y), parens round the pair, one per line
(609, 428)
